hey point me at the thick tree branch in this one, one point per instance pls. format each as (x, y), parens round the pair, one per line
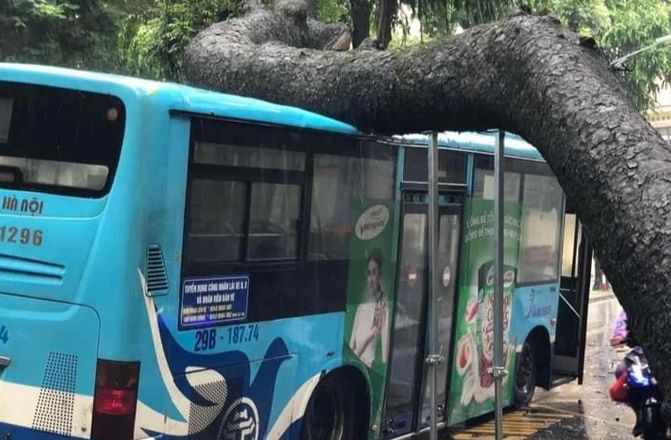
(525, 74)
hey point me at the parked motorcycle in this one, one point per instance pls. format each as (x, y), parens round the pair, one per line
(637, 387)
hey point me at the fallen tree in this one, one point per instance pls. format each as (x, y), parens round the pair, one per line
(526, 74)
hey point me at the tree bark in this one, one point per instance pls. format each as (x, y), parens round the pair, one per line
(525, 74)
(387, 9)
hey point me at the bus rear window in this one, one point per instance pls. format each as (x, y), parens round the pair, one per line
(59, 140)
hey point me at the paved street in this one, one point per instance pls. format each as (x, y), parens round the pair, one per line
(571, 411)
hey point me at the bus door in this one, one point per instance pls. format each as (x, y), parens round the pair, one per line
(407, 403)
(569, 346)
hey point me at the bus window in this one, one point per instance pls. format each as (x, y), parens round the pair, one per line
(217, 216)
(483, 181)
(273, 221)
(569, 266)
(378, 178)
(541, 227)
(59, 140)
(239, 156)
(338, 183)
(451, 166)
(245, 194)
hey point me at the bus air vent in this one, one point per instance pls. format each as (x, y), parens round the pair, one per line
(157, 277)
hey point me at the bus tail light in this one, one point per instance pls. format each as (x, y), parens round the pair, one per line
(115, 400)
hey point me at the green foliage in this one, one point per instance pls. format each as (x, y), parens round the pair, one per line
(75, 33)
(621, 27)
(148, 37)
(634, 25)
(473, 12)
(152, 41)
(586, 17)
(334, 11)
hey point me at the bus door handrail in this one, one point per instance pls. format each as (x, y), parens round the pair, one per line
(570, 306)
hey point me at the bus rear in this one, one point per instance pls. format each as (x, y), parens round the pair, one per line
(59, 152)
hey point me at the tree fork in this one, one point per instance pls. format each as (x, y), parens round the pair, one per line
(525, 74)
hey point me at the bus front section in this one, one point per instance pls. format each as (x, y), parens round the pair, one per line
(59, 152)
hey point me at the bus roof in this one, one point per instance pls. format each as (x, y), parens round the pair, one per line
(175, 96)
(480, 142)
(189, 99)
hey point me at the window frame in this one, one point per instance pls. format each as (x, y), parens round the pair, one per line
(115, 138)
(310, 142)
(559, 237)
(446, 155)
(524, 167)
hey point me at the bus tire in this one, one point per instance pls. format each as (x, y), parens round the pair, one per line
(334, 412)
(526, 372)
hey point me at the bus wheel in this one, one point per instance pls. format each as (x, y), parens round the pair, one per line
(526, 371)
(331, 413)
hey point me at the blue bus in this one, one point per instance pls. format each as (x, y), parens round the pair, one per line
(179, 263)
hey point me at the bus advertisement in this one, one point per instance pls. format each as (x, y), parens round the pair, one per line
(178, 263)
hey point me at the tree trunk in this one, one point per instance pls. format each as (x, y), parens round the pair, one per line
(360, 13)
(387, 14)
(527, 75)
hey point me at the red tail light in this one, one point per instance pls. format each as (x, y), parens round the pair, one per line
(115, 400)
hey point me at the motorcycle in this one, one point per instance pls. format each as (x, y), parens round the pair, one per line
(636, 386)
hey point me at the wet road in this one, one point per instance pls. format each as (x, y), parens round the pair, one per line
(572, 411)
(594, 415)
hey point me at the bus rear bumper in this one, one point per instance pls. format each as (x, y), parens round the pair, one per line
(10, 431)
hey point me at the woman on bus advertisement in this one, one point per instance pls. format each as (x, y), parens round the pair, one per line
(370, 328)
(371, 281)
(471, 391)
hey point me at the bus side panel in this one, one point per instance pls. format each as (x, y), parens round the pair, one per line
(471, 392)
(47, 387)
(224, 405)
(261, 374)
(533, 307)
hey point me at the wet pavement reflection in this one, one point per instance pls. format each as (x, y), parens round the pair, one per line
(592, 414)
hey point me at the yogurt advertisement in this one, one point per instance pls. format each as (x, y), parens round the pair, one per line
(471, 391)
(370, 293)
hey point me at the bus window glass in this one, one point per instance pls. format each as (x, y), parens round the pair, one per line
(334, 179)
(451, 166)
(378, 177)
(541, 220)
(5, 119)
(273, 221)
(59, 140)
(483, 185)
(249, 157)
(216, 224)
(338, 183)
(569, 267)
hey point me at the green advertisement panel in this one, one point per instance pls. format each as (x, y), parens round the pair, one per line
(370, 293)
(471, 391)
